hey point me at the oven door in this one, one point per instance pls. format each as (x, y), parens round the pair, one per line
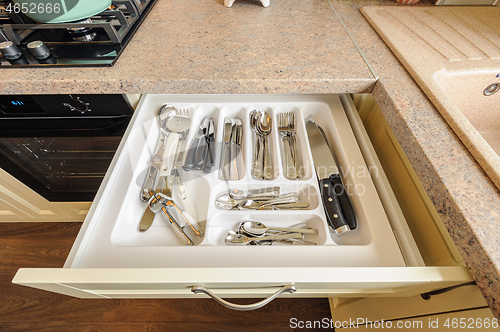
(54, 153)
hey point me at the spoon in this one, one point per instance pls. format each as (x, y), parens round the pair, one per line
(258, 228)
(243, 240)
(253, 118)
(264, 126)
(241, 230)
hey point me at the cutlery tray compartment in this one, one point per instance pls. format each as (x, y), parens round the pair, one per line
(113, 240)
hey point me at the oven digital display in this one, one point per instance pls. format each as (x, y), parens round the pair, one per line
(19, 105)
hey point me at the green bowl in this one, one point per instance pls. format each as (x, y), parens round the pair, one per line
(60, 11)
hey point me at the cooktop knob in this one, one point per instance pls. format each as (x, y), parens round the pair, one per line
(9, 50)
(78, 105)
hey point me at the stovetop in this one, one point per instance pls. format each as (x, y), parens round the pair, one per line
(97, 41)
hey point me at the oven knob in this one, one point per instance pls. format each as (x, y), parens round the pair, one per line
(77, 105)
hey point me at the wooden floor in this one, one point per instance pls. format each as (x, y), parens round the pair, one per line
(48, 244)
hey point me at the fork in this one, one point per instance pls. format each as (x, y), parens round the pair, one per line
(295, 151)
(285, 131)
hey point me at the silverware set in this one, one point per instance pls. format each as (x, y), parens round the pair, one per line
(293, 167)
(231, 166)
(171, 154)
(256, 233)
(261, 126)
(262, 199)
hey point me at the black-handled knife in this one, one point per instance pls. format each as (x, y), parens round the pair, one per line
(338, 208)
(333, 211)
(345, 202)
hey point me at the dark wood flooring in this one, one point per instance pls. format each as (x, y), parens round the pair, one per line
(48, 244)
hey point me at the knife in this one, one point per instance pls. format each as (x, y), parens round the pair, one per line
(225, 159)
(236, 153)
(197, 151)
(338, 208)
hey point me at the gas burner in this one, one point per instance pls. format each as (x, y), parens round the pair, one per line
(83, 34)
(96, 41)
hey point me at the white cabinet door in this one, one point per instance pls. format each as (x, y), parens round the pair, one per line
(20, 203)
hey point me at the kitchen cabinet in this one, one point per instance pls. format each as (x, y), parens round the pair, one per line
(385, 258)
(20, 203)
(460, 299)
(462, 302)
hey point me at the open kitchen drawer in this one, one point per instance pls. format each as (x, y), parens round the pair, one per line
(112, 259)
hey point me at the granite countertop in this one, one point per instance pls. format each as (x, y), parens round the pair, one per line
(300, 46)
(292, 47)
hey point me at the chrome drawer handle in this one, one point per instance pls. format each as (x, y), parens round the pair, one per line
(243, 307)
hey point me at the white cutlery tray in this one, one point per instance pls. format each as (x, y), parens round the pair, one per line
(113, 240)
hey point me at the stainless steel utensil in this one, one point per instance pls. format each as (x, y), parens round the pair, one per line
(297, 159)
(240, 166)
(195, 157)
(173, 127)
(160, 202)
(225, 159)
(299, 226)
(292, 161)
(264, 127)
(152, 174)
(258, 228)
(209, 163)
(289, 170)
(286, 206)
(260, 199)
(243, 240)
(253, 118)
(231, 166)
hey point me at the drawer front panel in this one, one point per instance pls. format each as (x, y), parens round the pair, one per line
(242, 282)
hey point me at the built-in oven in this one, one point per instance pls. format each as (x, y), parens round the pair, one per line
(61, 145)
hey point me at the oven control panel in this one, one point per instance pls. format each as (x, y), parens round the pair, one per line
(63, 105)
(63, 115)
(76, 104)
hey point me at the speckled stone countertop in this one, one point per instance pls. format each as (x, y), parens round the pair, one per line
(193, 46)
(299, 46)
